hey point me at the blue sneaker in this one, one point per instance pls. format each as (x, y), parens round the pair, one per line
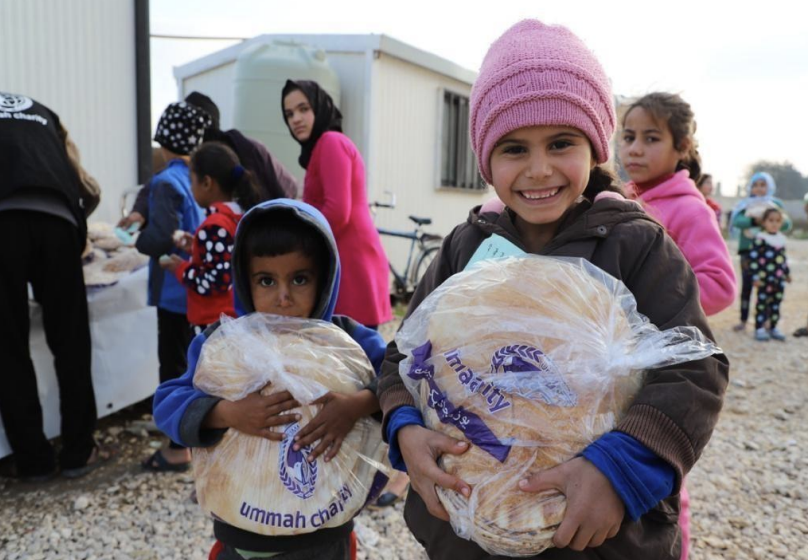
(762, 335)
(777, 334)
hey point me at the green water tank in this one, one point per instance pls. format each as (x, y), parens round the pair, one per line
(261, 72)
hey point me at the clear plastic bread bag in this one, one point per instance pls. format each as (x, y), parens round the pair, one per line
(265, 486)
(530, 359)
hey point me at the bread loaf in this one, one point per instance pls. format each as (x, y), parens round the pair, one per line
(264, 486)
(514, 357)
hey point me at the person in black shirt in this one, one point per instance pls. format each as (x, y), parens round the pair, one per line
(45, 197)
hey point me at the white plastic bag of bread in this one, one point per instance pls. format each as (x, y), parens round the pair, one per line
(265, 486)
(529, 359)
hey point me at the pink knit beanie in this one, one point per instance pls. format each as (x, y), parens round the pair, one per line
(537, 74)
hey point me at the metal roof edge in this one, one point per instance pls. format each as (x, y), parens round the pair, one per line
(425, 59)
(334, 43)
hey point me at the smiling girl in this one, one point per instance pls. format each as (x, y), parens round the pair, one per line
(541, 120)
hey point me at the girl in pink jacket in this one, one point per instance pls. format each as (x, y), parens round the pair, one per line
(335, 185)
(659, 152)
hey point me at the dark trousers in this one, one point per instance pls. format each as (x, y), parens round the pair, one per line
(44, 250)
(747, 283)
(174, 335)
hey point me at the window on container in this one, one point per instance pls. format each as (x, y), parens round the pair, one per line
(458, 165)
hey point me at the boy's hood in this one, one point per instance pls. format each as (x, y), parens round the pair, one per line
(306, 213)
(770, 184)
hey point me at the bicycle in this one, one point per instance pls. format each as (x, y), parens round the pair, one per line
(423, 246)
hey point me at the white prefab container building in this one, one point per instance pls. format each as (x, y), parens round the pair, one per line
(80, 59)
(405, 109)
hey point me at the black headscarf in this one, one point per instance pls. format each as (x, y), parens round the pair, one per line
(206, 104)
(326, 115)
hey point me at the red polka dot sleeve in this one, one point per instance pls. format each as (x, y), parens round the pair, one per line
(209, 271)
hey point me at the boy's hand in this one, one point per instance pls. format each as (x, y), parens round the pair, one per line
(421, 448)
(756, 283)
(788, 279)
(331, 424)
(170, 262)
(594, 510)
(255, 414)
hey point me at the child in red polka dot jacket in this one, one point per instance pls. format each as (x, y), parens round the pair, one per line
(226, 190)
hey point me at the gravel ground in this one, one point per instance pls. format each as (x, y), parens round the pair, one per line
(749, 491)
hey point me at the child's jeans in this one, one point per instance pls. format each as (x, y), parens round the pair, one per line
(684, 520)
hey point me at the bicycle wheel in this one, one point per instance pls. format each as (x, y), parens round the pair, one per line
(425, 258)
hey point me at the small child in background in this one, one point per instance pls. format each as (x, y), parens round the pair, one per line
(172, 207)
(285, 262)
(705, 186)
(760, 191)
(659, 152)
(226, 190)
(769, 267)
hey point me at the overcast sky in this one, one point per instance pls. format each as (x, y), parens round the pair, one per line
(743, 69)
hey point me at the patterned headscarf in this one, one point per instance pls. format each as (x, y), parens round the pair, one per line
(182, 127)
(326, 115)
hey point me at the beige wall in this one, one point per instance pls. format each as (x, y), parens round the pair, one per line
(403, 156)
(78, 58)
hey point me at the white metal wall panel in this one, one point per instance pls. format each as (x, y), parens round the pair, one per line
(351, 71)
(404, 137)
(78, 58)
(218, 84)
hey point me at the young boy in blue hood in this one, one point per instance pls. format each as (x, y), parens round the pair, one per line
(285, 262)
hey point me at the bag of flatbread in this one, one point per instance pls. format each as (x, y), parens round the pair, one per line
(265, 486)
(530, 359)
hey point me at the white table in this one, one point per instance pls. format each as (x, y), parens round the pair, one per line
(123, 331)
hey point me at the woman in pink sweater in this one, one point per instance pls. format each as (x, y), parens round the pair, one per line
(658, 151)
(335, 185)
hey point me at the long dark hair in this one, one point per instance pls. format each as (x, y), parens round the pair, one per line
(215, 160)
(602, 180)
(703, 179)
(674, 111)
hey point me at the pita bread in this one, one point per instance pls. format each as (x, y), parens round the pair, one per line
(264, 486)
(126, 260)
(518, 354)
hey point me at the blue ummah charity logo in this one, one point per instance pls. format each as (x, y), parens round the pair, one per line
(297, 474)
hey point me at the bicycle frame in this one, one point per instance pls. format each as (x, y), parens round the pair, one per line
(405, 281)
(401, 279)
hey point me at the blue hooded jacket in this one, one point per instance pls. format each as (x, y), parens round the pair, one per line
(180, 408)
(171, 207)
